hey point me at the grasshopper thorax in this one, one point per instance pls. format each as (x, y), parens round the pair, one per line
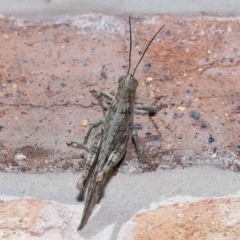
(127, 86)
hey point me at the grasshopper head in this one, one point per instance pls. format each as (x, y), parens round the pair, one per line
(127, 86)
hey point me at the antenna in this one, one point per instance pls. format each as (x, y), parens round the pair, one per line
(130, 50)
(146, 49)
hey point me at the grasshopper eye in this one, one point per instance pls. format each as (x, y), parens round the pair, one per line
(121, 78)
(135, 83)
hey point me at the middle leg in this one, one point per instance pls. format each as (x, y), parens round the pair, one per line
(136, 144)
(91, 159)
(149, 109)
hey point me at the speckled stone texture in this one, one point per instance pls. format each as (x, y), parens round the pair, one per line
(27, 219)
(191, 71)
(201, 220)
(33, 219)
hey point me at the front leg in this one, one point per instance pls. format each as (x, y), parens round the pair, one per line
(99, 121)
(100, 94)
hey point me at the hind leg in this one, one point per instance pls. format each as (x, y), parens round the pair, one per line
(114, 158)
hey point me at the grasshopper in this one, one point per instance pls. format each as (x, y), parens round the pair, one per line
(109, 146)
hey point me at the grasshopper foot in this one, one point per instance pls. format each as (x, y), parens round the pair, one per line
(77, 145)
(100, 176)
(151, 165)
(81, 184)
(95, 93)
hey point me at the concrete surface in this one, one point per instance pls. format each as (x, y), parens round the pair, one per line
(126, 194)
(51, 8)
